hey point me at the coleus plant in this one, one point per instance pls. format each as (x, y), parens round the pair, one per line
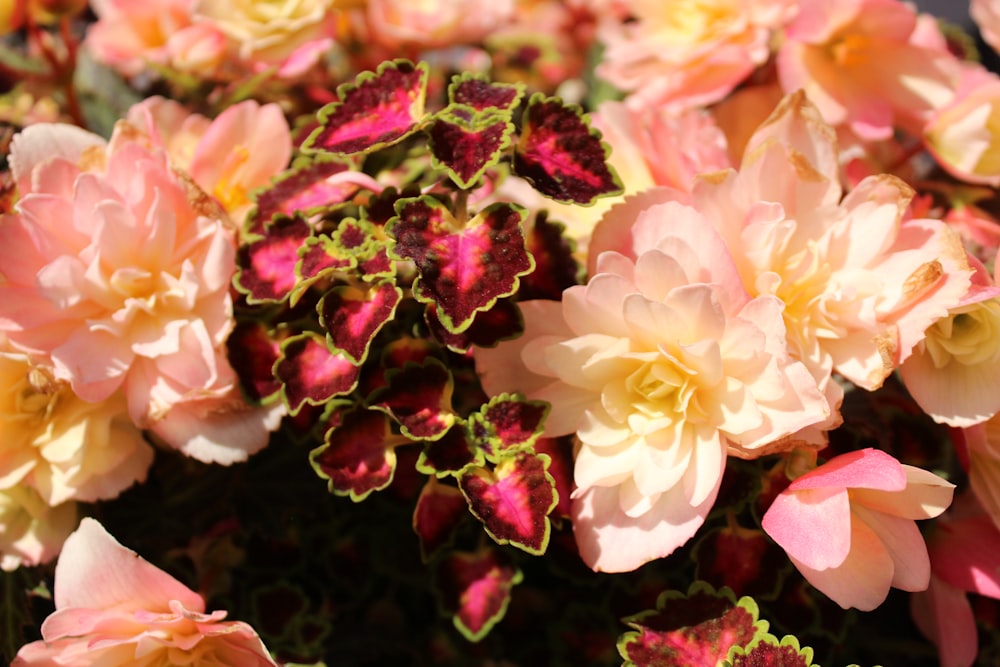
(369, 269)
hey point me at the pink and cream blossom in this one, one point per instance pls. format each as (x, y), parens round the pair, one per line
(859, 281)
(660, 365)
(954, 372)
(229, 156)
(964, 135)
(61, 446)
(871, 65)
(31, 531)
(848, 526)
(688, 53)
(114, 608)
(116, 272)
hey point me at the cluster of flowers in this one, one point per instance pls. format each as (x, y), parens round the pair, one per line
(776, 244)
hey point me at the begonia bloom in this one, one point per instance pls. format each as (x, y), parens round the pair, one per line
(659, 365)
(398, 24)
(117, 270)
(131, 34)
(31, 531)
(63, 447)
(869, 64)
(114, 608)
(964, 550)
(954, 372)
(860, 282)
(964, 135)
(848, 526)
(239, 151)
(290, 34)
(688, 52)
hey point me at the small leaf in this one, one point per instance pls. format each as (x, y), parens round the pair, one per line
(266, 266)
(561, 155)
(467, 146)
(489, 327)
(311, 373)
(693, 630)
(353, 316)
(560, 453)
(461, 271)
(513, 500)
(742, 559)
(252, 351)
(358, 455)
(556, 269)
(418, 397)
(450, 454)
(439, 509)
(377, 110)
(767, 651)
(478, 92)
(475, 589)
(508, 423)
(320, 259)
(306, 188)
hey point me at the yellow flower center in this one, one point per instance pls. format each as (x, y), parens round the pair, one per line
(969, 335)
(849, 50)
(689, 22)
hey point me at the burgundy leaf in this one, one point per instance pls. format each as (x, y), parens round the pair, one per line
(311, 373)
(367, 243)
(303, 189)
(560, 453)
(561, 155)
(461, 270)
(377, 110)
(555, 267)
(440, 508)
(513, 500)
(353, 316)
(252, 352)
(478, 92)
(489, 327)
(418, 396)
(266, 270)
(450, 454)
(508, 423)
(358, 455)
(466, 148)
(693, 630)
(319, 259)
(475, 589)
(767, 651)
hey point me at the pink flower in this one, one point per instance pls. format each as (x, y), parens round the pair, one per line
(964, 550)
(113, 608)
(397, 24)
(31, 531)
(117, 273)
(61, 446)
(275, 33)
(954, 372)
(129, 34)
(660, 365)
(859, 282)
(869, 64)
(688, 52)
(964, 135)
(239, 151)
(848, 526)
